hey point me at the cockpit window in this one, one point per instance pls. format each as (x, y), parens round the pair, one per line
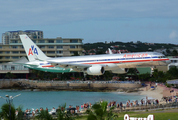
(161, 57)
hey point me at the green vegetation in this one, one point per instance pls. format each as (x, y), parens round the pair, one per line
(160, 76)
(5, 112)
(9, 75)
(64, 115)
(130, 46)
(44, 115)
(99, 112)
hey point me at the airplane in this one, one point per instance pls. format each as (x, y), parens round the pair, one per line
(97, 64)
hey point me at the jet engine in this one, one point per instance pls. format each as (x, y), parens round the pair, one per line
(95, 70)
(120, 70)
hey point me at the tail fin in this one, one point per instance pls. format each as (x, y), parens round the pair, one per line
(32, 50)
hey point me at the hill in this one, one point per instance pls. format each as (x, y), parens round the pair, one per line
(101, 47)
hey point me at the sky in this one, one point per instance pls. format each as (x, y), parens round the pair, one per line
(153, 21)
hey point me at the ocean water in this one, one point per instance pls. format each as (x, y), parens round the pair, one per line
(49, 99)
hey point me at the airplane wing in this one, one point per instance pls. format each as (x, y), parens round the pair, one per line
(76, 67)
(22, 61)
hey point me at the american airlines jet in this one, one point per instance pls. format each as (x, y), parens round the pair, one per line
(97, 64)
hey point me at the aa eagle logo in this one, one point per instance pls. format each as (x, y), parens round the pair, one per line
(32, 51)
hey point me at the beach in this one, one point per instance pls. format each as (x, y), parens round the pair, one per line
(37, 99)
(158, 91)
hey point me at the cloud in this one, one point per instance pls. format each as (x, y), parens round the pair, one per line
(173, 35)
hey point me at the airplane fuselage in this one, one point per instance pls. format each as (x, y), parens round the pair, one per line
(125, 60)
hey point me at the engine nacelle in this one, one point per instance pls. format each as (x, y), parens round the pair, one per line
(95, 70)
(120, 70)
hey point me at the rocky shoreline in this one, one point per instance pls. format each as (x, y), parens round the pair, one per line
(80, 90)
(99, 86)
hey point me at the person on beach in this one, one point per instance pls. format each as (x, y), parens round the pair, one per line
(81, 106)
(36, 111)
(16, 112)
(137, 103)
(109, 104)
(26, 111)
(118, 106)
(90, 105)
(121, 105)
(77, 109)
(33, 112)
(146, 100)
(129, 102)
(54, 109)
(166, 100)
(142, 101)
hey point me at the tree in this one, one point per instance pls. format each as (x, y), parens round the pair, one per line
(155, 73)
(144, 76)
(9, 75)
(168, 51)
(132, 71)
(158, 76)
(122, 76)
(44, 115)
(76, 54)
(174, 53)
(20, 113)
(41, 75)
(107, 75)
(173, 72)
(99, 112)
(62, 115)
(99, 52)
(5, 112)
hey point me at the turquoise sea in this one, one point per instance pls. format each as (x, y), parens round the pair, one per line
(37, 99)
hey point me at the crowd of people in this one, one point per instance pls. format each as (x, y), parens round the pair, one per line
(119, 105)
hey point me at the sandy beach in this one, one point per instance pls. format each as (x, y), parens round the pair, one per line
(156, 93)
(159, 92)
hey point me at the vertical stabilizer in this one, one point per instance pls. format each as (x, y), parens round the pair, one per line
(32, 50)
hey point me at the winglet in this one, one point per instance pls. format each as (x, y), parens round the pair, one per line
(110, 52)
